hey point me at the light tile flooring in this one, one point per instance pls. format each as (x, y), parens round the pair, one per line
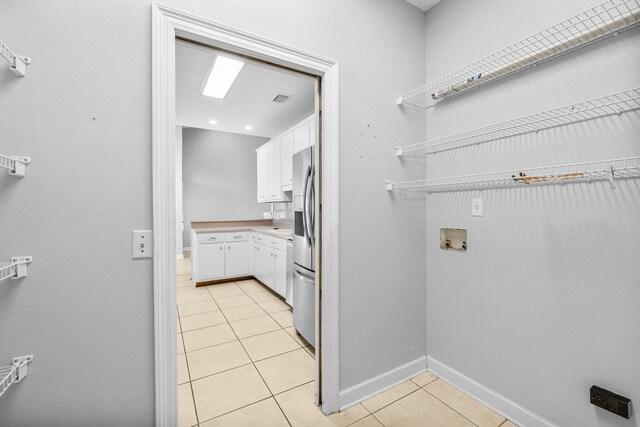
(241, 363)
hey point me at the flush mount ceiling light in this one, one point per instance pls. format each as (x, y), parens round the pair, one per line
(222, 75)
(213, 122)
(248, 127)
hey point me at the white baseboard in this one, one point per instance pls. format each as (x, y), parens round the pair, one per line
(502, 405)
(382, 382)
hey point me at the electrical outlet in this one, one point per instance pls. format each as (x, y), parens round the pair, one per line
(142, 244)
(610, 401)
(476, 208)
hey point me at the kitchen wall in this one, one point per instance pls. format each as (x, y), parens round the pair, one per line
(84, 115)
(219, 177)
(545, 301)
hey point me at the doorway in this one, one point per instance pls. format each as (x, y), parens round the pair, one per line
(169, 24)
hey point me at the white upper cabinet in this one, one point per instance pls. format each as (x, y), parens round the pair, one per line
(275, 174)
(263, 173)
(286, 161)
(301, 138)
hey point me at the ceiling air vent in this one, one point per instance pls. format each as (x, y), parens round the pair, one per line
(280, 98)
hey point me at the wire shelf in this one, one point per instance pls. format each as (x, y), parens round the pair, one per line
(17, 64)
(616, 103)
(13, 373)
(15, 164)
(16, 269)
(606, 19)
(546, 175)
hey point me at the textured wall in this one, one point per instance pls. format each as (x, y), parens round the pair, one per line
(545, 302)
(219, 175)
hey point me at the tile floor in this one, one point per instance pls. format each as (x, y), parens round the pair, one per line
(241, 363)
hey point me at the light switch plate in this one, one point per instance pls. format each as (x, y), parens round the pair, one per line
(477, 208)
(142, 244)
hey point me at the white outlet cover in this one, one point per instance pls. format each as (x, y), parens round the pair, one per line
(142, 245)
(477, 208)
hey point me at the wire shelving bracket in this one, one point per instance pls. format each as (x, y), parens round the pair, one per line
(17, 64)
(610, 170)
(616, 103)
(16, 269)
(606, 19)
(14, 373)
(17, 165)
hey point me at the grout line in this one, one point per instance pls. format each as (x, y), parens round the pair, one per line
(391, 403)
(452, 408)
(292, 388)
(237, 409)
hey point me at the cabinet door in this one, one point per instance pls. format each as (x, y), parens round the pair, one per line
(262, 173)
(280, 273)
(301, 138)
(256, 262)
(237, 259)
(210, 261)
(275, 179)
(286, 159)
(269, 273)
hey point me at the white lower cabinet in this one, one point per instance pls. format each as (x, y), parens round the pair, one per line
(280, 272)
(210, 265)
(237, 259)
(269, 265)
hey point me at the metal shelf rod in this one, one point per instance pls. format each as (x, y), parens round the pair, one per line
(610, 170)
(615, 103)
(607, 19)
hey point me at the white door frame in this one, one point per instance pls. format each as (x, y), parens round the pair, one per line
(167, 23)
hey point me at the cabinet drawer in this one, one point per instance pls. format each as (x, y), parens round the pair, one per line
(260, 239)
(275, 243)
(210, 237)
(238, 236)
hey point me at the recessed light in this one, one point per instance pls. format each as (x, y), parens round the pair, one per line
(221, 77)
(213, 122)
(247, 127)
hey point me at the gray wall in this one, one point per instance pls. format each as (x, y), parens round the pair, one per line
(546, 301)
(219, 177)
(86, 309)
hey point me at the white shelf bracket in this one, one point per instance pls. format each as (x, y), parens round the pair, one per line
(14, 373)
(17, 64)
(399, 100)
(612, 182)
(399, 151)
(17, 165)
(388, 185)
(17, 269)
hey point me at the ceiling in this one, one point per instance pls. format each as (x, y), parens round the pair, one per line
(423, 4)
(250, 99)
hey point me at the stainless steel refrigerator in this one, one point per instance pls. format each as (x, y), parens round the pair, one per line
(304, 240)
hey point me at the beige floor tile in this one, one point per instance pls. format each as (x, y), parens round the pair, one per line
(424, 378)
(274, 306)
(369, 421)
(250, 286)
(192, 297)
(301, 411)
(186, 409)
(178, 326)
(263, 296)
(348, 417)
(254, 326)
(420, 409)
(296, 336)
(236, 301)
(202, 320)
(464, 404)
(264, 413)
(225, 290)
(183, 372)
(207, 337)
(508, 423)
(287, 370)
(219, 358)
(227, 391)
(191, 291)
(270, 344)
(243, 312)
(389, 396)
(180, 344)
(284, 318)
(197, 307)
(184, 283)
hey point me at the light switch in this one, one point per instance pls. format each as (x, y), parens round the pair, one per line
(476, 208)
(142, 244)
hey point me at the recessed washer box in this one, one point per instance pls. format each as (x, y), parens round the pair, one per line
(453, 239)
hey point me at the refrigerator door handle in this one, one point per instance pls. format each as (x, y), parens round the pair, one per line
(312, 207)
(305, 206)
(303, 274)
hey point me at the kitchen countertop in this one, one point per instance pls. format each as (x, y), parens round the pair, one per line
(261, 226)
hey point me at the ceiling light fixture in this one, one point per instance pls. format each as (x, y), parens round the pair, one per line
(222, 75)
(248, 127)
(213, 122)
